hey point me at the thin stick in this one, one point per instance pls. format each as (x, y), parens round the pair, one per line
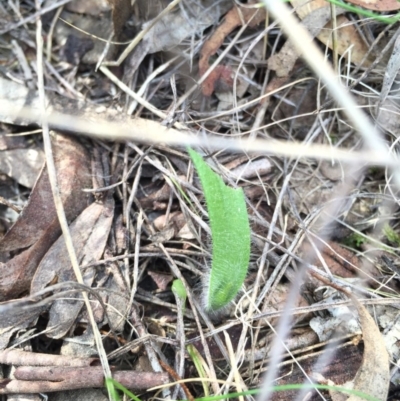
(146, 131)
(57, 196)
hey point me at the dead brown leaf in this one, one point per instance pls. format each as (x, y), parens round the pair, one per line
(8, 142)
(121, 12)
(17, 273)
(373, 377)
(378, 5)
(283, 62)
(37, 226)
(23, 165)
(234, 18)
(14, 320)
(73, 174)
(176, 218)
(91, 7)
(162, 280)
(342, 262)
(89, 234)
(154, 197)
(347, 34)
(116, 296)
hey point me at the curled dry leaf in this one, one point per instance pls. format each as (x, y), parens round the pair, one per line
(169, 31)
(23, 165)
(377, 5)
(91, 7)
(73, 174)
(252, 169)
(116, 296)
(234, 18)
(14, 320)
(341, 261)
(162, 280)
(121, 12)
(155, 198)
(347, 34)
(89, 233)
(283, 62)
(308, 193)
(37, 226)
(17, 273)
(373, 377)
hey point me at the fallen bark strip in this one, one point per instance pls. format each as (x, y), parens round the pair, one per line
(30, 379)
(21, 358)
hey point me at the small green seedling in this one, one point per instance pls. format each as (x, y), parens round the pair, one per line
(230, 236)
(391, 235)
(180, 293)
(354, 240)
(112, 384)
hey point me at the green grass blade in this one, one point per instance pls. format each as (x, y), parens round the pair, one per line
(111, 384)
(366, 13)
(288, 387)
(230, 232)
(198, 363)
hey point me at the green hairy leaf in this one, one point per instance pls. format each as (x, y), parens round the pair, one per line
(230, 235)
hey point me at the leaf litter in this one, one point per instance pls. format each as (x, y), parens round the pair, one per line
(139, 221)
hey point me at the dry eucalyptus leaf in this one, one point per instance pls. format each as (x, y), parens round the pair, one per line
(83, 48)
(186, 233)
(162, 280)
(169, 31)
(340, 322)
(373, 377)
(73, 174)
(91, 7)
(17, 273)
(37, 226)
(307, 193)
(14, 320)
(347, 34)
(391, 73)
(252, 169)
(89, 234)
(236, 16)
(283, 62)
(9, 141)
(377, 5)
(121, 12)
(23, 165)
(117, 298)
